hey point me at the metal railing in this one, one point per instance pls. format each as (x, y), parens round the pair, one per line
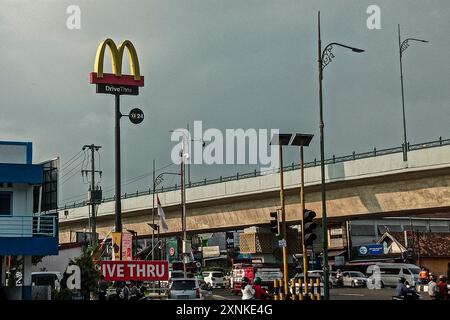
(28, 226)
(293, 166)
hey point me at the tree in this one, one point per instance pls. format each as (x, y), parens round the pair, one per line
(89, 270)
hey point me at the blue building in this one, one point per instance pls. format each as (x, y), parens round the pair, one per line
(28, 204)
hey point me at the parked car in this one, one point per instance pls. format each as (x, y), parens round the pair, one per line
(214, 279)
(354, 279)
(185, 289)
(390, 273)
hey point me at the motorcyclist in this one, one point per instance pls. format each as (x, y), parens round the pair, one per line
(339, 278)
(260, 292)
(402, 291)
(248, 293)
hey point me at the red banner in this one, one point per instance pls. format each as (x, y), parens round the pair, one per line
(135, 270)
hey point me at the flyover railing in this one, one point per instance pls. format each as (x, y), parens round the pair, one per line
(293, 166)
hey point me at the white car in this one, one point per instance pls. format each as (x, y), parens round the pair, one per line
(214, 279)
(354, 279)
(185, 289)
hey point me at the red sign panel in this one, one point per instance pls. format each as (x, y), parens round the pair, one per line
(135, 270)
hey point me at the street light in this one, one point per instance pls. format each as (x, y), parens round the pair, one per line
(156, 181)
(183, 157)
(324, 58)
(402, 46)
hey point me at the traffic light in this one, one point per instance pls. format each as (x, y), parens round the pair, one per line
(275, 222)
(309, 226)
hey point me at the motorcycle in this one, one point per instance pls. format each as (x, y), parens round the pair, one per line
(410, 296)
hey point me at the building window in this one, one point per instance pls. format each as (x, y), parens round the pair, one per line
(5, 203)
(362, 230)
(415, 228)
(389, 228)
(441, 228)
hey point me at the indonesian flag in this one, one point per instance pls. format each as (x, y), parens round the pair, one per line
(162, 216)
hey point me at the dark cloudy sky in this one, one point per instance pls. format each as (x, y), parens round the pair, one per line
(231, 64)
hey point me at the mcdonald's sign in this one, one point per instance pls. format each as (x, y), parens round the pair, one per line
(116, 82)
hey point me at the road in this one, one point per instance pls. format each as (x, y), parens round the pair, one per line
(335, 294)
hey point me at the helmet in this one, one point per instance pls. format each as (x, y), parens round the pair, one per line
(257, 280)
(245, 280)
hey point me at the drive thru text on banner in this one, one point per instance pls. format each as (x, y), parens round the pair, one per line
(135, 270)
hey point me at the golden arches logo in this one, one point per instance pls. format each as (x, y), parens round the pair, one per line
(98, 76)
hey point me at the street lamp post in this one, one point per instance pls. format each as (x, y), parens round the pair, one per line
(324, 58)
(402, 46)
(183, 157)
(156, 181)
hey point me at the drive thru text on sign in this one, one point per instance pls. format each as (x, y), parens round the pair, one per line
(135, 270)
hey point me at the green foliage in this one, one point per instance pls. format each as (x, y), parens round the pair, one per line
(89, 270)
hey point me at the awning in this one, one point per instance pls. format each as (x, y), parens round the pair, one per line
(332, 254)
(335, 253)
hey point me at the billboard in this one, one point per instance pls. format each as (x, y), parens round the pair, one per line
(116, 245)
(127, 246)
(135, 270)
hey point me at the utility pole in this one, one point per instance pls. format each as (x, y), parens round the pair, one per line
(188, 164)
(183, 209)
(153, 210)
(95, 193)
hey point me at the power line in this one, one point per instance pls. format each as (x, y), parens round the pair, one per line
(71, 170)
(73, 175)
(67, 163)
(111, 187)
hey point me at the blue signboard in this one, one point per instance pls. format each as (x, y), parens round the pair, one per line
(371, 249)
(375, 249)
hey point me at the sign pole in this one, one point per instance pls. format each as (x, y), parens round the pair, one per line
(118, 204)
(117, 84)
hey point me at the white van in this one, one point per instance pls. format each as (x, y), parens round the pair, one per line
(47, 278)
(390, 273)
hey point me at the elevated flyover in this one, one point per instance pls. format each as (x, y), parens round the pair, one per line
(374, 184)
